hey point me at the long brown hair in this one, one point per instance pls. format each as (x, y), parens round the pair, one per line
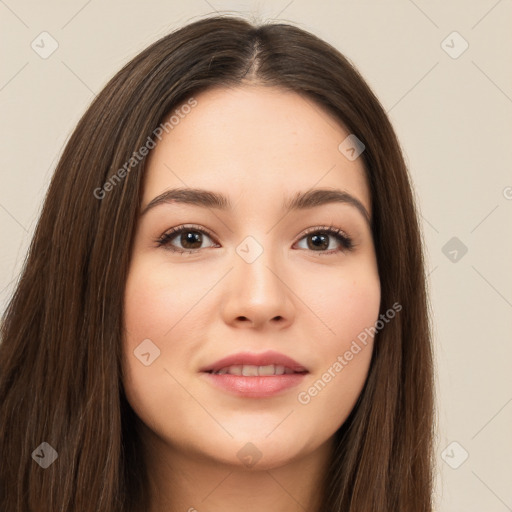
(60, 354)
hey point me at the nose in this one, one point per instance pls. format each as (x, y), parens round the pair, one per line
(257, 294)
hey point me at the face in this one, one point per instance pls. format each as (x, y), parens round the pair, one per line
(252, 279)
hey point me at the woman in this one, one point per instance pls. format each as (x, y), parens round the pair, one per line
(224, 301)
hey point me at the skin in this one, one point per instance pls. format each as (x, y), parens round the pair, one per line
(257, 145)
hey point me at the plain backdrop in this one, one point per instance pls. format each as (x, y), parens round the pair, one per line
(442, 71)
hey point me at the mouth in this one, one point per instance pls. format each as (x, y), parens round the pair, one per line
(255, 375)
(248, 370)
(269, 363)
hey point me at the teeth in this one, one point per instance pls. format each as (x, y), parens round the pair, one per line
(266, 370)
(279, 370)
(249, 370)
(235, 370)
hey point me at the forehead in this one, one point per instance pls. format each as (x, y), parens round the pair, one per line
(256, 142)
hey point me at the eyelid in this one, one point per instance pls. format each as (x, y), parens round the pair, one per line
(330, 228)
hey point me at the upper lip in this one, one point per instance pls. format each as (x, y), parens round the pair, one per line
(262, 359)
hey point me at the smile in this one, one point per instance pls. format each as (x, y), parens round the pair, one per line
(249, 370)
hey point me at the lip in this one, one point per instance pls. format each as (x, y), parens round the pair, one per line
(255, 387)
(263, 359)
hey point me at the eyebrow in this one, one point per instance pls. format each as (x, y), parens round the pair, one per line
(301, 201)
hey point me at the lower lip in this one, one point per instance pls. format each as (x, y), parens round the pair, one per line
(255, 387)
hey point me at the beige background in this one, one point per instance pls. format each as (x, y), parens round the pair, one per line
(452, 115)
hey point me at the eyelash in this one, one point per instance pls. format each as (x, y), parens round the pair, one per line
(344, 240)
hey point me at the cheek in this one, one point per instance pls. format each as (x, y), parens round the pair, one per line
(158, 298)
(162, 313)
(353, 307)
(345, 304)
(349, 310)
(152, 307)
(152, 313)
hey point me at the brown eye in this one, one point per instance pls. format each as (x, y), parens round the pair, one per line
(319, 240)
(191, 239)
